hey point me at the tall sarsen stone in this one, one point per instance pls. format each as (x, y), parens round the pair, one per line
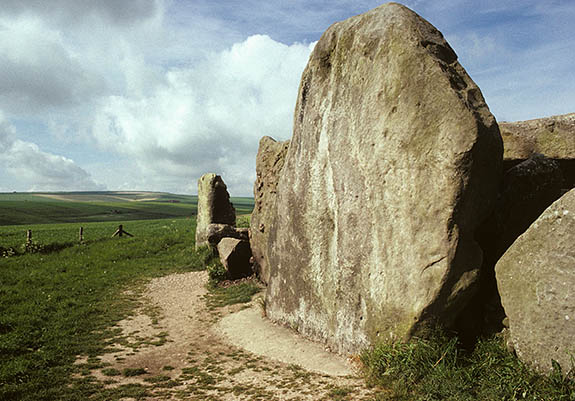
(269, 164)
(393, 163)
(214, 208)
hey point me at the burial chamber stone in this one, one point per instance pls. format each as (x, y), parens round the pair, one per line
(269, 164)
(214, 207)
(394, 161)
(536, 281)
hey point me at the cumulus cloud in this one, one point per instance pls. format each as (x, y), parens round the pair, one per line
(209, 117)
(37, 70)
(74, 11)
(158, 92)
(29, 168)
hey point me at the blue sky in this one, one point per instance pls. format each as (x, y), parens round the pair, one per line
(151, 94)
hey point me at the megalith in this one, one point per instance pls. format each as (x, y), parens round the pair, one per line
(235, 255)
(536, 281)
(214, 207)
(394, 161)
(269, 164)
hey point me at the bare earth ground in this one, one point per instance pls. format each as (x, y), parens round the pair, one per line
(191, 351)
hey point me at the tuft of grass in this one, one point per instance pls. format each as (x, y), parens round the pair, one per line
(129, 372)
(437, 368)
(111, 372)
(243, 221)
(234, 294)
(216, 272)
(340, 393)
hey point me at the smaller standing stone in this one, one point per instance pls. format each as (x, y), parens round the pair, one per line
(536, 281)
(214, 206)
(235, 255)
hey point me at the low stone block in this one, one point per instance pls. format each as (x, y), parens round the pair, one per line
(235, 255)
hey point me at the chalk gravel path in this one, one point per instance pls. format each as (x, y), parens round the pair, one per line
(191, 351)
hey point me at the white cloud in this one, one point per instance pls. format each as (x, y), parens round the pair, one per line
(37, 70)
(29, 168)
(209, 117)
(76, 11)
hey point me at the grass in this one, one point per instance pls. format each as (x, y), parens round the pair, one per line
(60, 298)
(72, 207)
(438, 369)
(233, 294)
(60, 304)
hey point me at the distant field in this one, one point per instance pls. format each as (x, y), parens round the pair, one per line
(72, 207)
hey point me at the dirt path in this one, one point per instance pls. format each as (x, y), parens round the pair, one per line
(181, 349)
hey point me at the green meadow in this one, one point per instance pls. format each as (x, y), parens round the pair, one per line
(60, 297)
(72, 207)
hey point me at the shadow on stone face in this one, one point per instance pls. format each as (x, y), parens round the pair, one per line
(527, 189)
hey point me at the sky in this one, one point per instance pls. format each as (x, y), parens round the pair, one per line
(151, 94)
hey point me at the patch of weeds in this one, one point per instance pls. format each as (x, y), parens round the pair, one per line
(437, 368)
(299, 373)
(340, 393)
(217, 273)
(190, 370)
(168, 367)
(169, 384)
(233, 294)
(129, 372)
(205, 379)
(162, 339)
(237, 370)
(111, 372)
(243, 221)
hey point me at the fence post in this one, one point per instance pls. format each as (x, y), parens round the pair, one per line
(81, 235)
(29, 237)
(120, 231)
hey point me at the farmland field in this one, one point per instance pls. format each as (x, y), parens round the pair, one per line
(69, 207)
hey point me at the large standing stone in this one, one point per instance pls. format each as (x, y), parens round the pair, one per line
(269, 163)
(536, 281)
(394, 161)
(214, 206)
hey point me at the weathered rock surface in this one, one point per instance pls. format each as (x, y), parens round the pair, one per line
(235, 255)
(214, 206)
(215, 232)
(393, 163)
(553, 137)
(269, 163)
(527, 190)
(536, 281)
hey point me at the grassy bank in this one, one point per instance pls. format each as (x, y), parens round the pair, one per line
(438, 369)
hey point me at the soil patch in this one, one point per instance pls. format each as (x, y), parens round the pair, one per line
(176, 347)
